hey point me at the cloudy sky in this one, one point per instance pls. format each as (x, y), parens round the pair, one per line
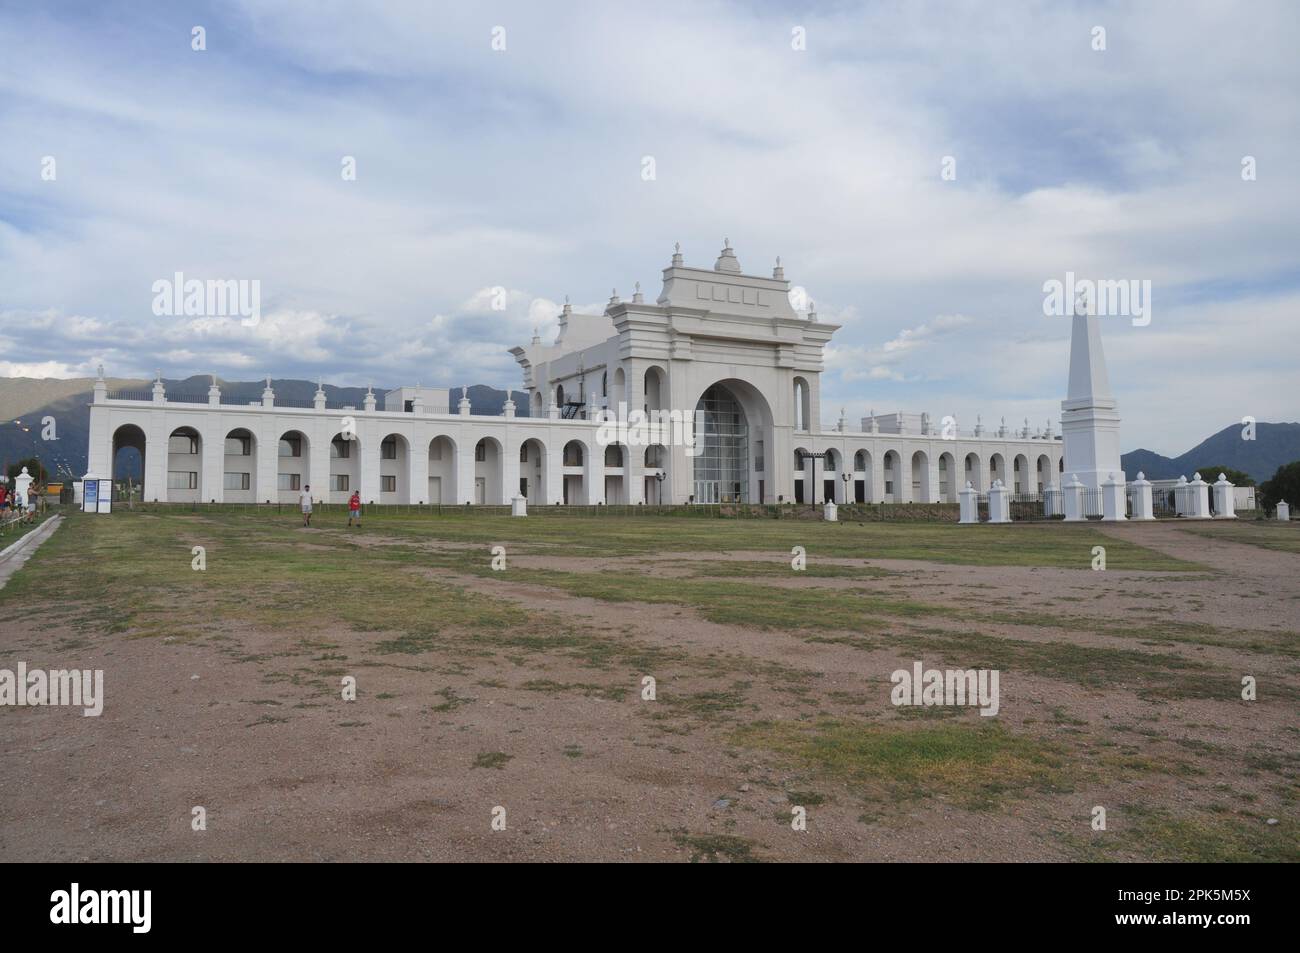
(522, 168)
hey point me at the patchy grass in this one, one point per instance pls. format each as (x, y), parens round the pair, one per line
(716, 848)
(1267, 534)
(975, 765)
(492, 759)
(1212, 837)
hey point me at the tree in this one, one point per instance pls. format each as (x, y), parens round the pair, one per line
(1235, 477)
(1283, 485)
(34, 470)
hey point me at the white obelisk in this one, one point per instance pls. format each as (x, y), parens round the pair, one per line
(1089, 418)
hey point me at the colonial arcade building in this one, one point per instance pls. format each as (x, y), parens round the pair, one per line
(717, 346)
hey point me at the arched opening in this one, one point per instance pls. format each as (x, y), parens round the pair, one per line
(345, 468)
(832, 485)
(442, 471)
(656, 390)
(997, 470)
(293, 473)
(921, 477)
(559, 397)
(619, 396)
(127, 464)
(893, 477)
(615, 482)
(1020, 470)
(862, 477)
(532, 471)
(572, 462)
(948, 478)
(184, 466)
(656, 472)
(802, 404)
(1044, 473)
(394, 469)
(722, 466)
(803, 475)
(973, 473)
(537, 409)
(239, 472)
(487, 472)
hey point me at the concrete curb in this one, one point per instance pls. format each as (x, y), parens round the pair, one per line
(13, 557)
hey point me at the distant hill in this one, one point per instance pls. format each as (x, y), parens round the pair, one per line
(25, 401)
(1273, 446)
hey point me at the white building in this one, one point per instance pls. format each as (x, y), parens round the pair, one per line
(717, 345)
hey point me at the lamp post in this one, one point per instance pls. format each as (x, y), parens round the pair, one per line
(659, 478)
(805, 455)
(846, 476)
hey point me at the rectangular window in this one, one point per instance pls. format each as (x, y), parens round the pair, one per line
(237, 481)
(180, 443)
(388, 449)
(291, 447)
(480, 452)
(182, 480)
(435, 450)
(289, 481)
(758, 456)
(339, 482)
(239, 446)
(523, 453)
(388, 484)
(340, 449)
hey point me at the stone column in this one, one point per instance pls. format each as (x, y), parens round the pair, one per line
(1113, 504)
(1142, 508)
(1224, 505)
(1072, 497)
(1198, 492)
(969, 501)
(1283, 511)
(999, 503)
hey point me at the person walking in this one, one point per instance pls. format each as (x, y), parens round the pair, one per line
(354, 508)
(304, 500)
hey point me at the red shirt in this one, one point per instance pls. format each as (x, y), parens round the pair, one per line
(355, 502)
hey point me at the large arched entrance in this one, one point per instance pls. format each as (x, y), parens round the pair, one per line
(128, 462)
(731, 418)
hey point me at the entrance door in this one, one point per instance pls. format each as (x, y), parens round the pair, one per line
(435, 490)
(480, 490)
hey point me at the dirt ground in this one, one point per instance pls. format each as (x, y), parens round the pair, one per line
(586, 769)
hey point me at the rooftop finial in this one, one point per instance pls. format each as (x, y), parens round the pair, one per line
(101, 372)
(778, 272)
(677, 253)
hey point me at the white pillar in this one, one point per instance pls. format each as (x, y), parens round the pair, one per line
(1182, 504)
(1224, 505)
(518, 506)
(593, 474)
(1198, 492)
(1113, 504)
(969, 501)
(830, 512)
(999, 503)
(1072, 494)
(465, 469)
(1283, 511)
(1142, 509)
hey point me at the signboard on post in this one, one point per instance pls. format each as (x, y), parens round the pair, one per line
(105, 496)
(89, 496)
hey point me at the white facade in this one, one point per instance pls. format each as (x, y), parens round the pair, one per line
(715, 340)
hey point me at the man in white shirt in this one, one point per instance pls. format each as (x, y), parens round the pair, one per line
(304, 500)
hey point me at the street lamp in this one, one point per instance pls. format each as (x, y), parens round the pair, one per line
(659, 478)
(846, 476)
(805, 455)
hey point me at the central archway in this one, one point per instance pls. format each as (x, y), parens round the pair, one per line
(731, 419)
